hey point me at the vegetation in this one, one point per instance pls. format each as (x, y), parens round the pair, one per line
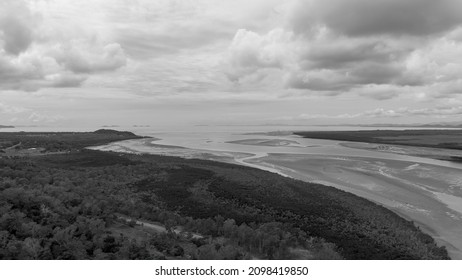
(61, 141)
(87, 204)
(447, 139)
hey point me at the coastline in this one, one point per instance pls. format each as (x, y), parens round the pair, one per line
(377, 180)
(428, 205)
(145, 146)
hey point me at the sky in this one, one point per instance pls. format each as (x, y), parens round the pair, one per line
(189, 62)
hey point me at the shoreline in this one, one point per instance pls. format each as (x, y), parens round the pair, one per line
(413, 201)
(377, 184)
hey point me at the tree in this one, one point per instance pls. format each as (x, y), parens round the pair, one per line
(32, 248)
(229, 228)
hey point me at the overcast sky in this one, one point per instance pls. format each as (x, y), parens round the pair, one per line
(139, 62)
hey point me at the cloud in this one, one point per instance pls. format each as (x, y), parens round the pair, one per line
(324, 80)
(325, 63)
(83, 57)
(23, 115)
(378, 17)
(376, 49)
(36, 53)
(63, 80)
(9, 109)
(147, 29)
(16, 26)
(141, 42)
(325, 54)
(439, 112)
(440, 65)
(250, 51)
(35, 117)
(379, 53)
(380, 92)
(31, 71)
(359, 78)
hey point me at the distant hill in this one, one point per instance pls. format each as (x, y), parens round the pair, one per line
(114, 132)
(6, 126)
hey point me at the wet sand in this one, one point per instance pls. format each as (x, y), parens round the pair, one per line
(427, 152)
(147, 146)
(429, 195)
(268, 142)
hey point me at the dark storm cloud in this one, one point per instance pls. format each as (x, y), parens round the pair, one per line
(375, 17)
(356, 62)
(345, 53)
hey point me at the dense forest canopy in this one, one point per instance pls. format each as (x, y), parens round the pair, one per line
(67, 202)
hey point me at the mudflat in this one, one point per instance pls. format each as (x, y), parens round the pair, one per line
(427, 194)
